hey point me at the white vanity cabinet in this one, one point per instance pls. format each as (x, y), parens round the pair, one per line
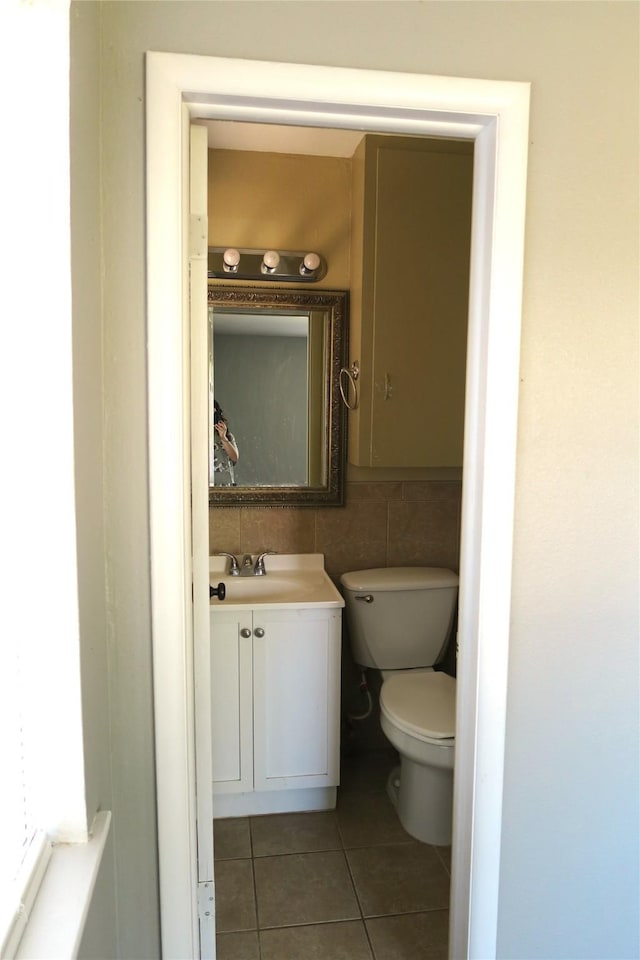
(275, 708)
(232, 700)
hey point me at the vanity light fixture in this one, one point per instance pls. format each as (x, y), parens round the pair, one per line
(286, 266)
(270, 261)
(230, 260)
(310, 264)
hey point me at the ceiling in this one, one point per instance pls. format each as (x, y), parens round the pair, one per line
(277, 138)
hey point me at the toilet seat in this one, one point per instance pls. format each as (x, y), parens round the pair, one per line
(422, 705)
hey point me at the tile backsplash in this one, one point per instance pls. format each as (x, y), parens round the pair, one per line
(383, 524)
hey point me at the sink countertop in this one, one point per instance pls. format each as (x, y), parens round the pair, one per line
(297, 580)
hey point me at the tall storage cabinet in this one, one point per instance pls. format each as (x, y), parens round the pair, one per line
(411, 236)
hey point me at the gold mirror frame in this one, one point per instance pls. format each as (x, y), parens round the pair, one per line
(336, 305)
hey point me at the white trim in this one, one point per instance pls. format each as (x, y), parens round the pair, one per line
(28, 884)
(260, 802)
(57, 918)
(170, 524)
(495, 115)
(198, 311)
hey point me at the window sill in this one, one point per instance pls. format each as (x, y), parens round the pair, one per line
(56, 922)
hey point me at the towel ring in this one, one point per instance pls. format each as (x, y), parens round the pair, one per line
(352, 372)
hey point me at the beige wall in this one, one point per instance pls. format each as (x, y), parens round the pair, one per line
(285, 201)
(569, 845)
(304, 202)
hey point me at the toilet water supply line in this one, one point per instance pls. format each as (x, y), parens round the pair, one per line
(364, 687)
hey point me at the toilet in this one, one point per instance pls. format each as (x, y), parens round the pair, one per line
(399, 621)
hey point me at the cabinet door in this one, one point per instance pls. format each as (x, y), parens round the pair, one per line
(296, 661)
(409, 319)
(231, 702)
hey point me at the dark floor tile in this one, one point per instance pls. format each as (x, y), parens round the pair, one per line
(237, 946)
(399, 878)
(304, 888)
(366, 771)
(294, 833)
(231, 839)
(235, 901)
(412, 936)
(325, 941)
(367, 819)
(445, 856)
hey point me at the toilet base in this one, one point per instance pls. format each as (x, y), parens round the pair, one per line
(393, 786)
(423, 798)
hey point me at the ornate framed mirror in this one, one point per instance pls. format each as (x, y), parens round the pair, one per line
(275, 356)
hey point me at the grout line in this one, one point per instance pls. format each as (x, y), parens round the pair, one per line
(353, 884)
(442, 861)
(315, 923)
(252, 854)
(386, 546)
(255, 889)
(361, 918)
(406, 913)
(369, 940)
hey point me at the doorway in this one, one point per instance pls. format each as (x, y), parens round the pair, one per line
(495, 116)
(267, 185)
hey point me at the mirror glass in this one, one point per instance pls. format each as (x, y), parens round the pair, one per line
(275, 357)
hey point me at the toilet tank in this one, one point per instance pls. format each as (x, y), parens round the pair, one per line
(399, 617)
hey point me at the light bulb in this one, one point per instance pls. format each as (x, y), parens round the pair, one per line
(231, 259)
(310, 263)
(270, 260)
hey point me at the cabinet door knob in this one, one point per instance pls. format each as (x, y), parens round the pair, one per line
(220, 591)
(258, 632)
(245, 632)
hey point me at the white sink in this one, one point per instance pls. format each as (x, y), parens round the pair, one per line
(299, 580)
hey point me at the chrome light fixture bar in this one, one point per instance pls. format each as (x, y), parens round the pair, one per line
(286, 266)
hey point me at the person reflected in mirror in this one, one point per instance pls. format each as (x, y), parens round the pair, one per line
(225, 449)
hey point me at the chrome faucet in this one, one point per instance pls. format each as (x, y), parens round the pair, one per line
(259, 570)
(247, 568)
(234, 566)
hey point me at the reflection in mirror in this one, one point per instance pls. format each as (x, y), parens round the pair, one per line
(274, 365)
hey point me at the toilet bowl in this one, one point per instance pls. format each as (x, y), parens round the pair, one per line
(417, 715)
(399, 621)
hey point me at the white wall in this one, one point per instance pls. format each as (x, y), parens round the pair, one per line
(109, 367)
(569, 856)
(88, 429)
(52, 547)
(100, 935)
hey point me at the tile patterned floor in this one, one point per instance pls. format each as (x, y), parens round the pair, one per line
(348, 884)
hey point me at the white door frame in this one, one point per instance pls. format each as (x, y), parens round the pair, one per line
(495, 115)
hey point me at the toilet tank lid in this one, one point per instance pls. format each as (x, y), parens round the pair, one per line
(399, 578)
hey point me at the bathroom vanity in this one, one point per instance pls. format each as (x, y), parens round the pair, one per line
(275, 688)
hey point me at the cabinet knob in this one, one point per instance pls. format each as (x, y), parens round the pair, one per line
(258, 632)
(245, 632)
